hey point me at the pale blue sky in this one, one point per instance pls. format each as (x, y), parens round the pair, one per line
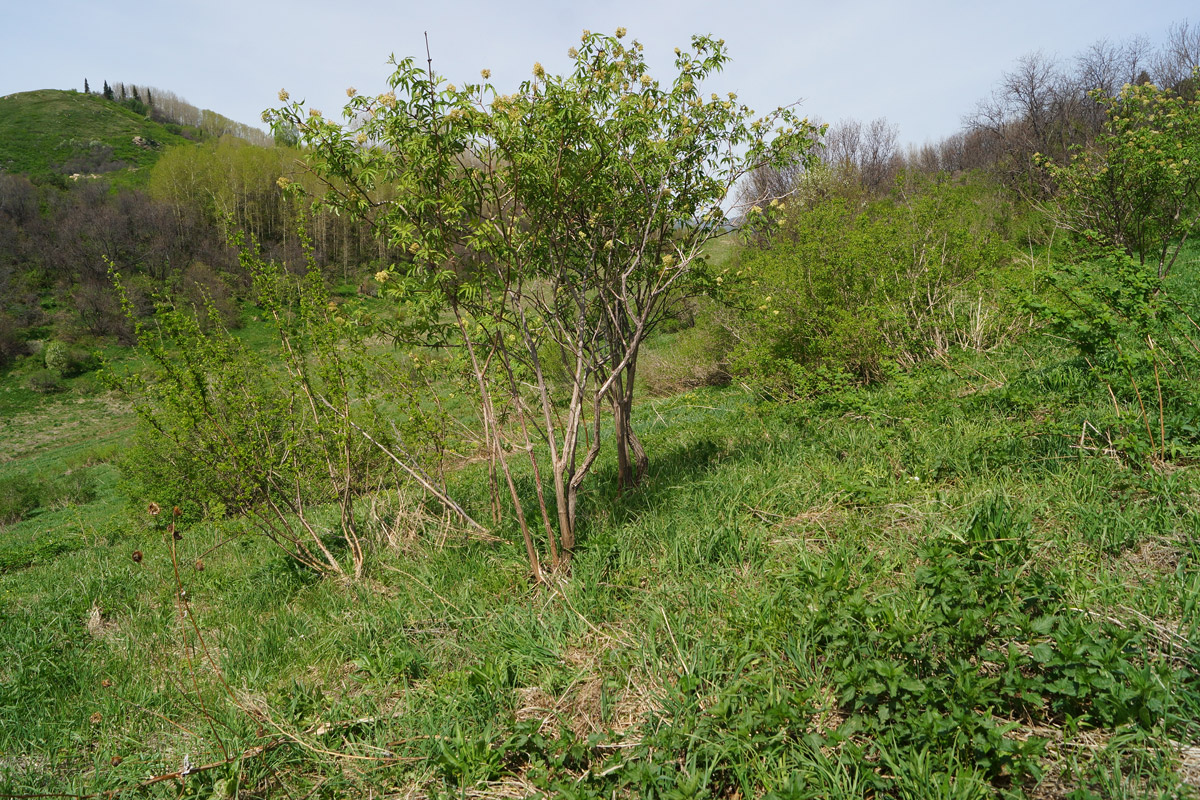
(922, 64)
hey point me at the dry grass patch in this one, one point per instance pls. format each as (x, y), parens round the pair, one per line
(97, 625)
(1150, 560)
(1069, 754)
(581, 706)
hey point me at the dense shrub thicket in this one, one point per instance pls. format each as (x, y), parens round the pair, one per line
(844, 288)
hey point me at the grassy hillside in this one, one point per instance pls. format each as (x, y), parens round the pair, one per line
(52, 132)
(935, 588)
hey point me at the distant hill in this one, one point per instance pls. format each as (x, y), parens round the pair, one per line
(52, 135)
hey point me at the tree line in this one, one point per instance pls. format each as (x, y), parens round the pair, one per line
(1044, 104)
(167, 107)
(57, 241)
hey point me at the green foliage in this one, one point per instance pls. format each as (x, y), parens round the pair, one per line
(563, 218)
(988, 637)
(1137, 335)
(47, 381)
(227, 179)
(1137, 186)
(904, 590)
(18, 496)
(227, 431)
(68, 362)
(1133, 198)
(55, 356)
(841, 291)
(21, 495)
(135, 105)
(784, 579)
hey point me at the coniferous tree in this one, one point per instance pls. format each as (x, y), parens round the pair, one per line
(123, 92)
(108, 92)
(86, 89)
(135, 94)
(149, 101)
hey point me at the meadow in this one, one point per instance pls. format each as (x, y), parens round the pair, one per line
(948, 585)
(477, 448)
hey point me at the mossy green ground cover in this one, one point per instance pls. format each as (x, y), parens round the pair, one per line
(942, 587)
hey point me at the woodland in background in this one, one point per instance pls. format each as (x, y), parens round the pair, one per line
(171, 236)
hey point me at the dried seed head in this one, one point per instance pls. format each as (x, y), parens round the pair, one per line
(96, 718)
(106, 683)
(199, 565)
(116, 761)
(153, 509)
(137, 556)
(175, 511)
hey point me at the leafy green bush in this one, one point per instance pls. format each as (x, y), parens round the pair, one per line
(19, 495)
(75, 488)
(290, 444)
(1138, 185)
(46, 381)
(80, 361)
(843, 291)
(1132, 200)
(1136, 333)
(69, 362)
(55, 356)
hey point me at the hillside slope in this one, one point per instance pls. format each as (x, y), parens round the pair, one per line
(51, 132)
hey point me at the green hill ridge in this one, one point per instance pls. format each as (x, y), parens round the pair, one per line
(50, 132)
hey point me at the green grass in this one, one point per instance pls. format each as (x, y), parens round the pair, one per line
(927, 589)
(58, 484)
(41, 131)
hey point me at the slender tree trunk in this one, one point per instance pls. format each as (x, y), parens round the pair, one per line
(631, 456)
(496, 446)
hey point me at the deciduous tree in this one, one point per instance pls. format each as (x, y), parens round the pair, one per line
(552, 225)
(1138, 185)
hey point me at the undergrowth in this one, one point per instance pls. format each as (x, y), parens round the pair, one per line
(942, 587)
